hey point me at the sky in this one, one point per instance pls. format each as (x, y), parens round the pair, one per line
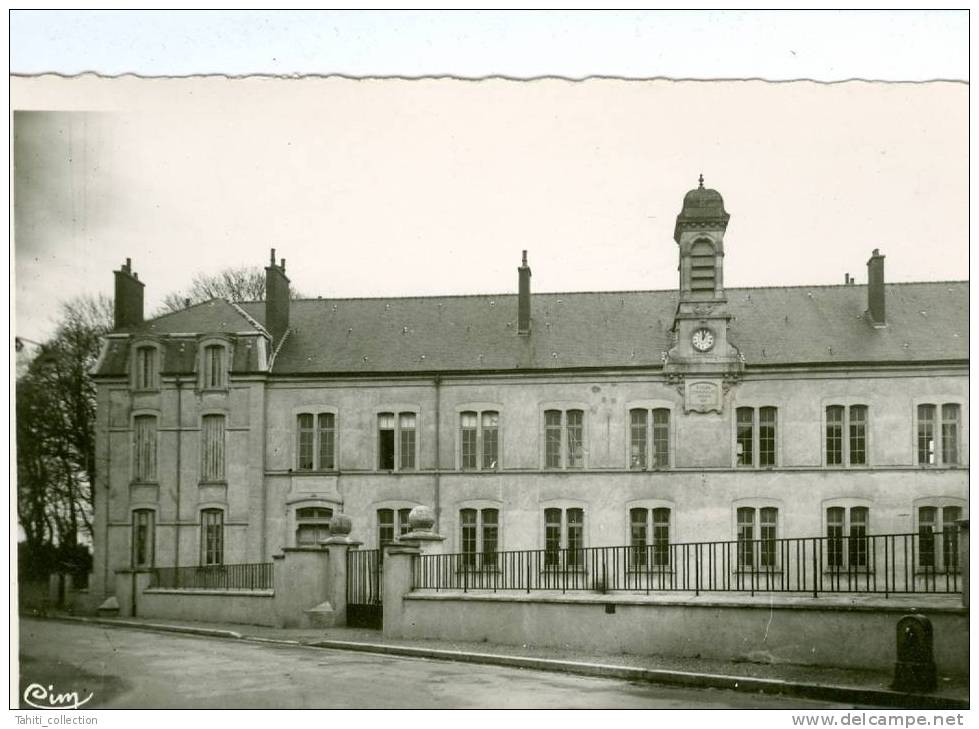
(420, 187)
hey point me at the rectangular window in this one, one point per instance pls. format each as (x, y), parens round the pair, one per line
(746, 537)
(927, 521)
(638, 521)
(144, 448)
(858, 435)
(745, 436)
(146, 369)
(491, 439)
(385, 441)
(305, 428)
(576, 537)
(552, 537)
(637, 438)
(835, 526)
(214, 366)
(661, 438)
(385, 526)
(834, 435)
(766, 436)
(143, 538)
(212, 537)
(326, 432)
(769, 533)
(950, 434)
(212, 448)
(950, 536)
(312, 525)
(468, 435)
(491, 536)
(406, 424)
(467, 520)
(661, 537)
(576, 439)
(859, 516)
(926, 434)
(552, 438)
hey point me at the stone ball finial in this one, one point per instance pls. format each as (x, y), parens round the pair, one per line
(340, 525)
(421, 519)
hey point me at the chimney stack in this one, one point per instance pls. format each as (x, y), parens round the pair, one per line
(128, 297)
(276, 299)
(875, 289)
(523, 297)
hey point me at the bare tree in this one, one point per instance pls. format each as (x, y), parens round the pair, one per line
(244, 283)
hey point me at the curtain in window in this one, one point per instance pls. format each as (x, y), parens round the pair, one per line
(212, 435)
(144, 456)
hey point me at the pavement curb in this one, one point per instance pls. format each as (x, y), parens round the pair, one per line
(876, 697)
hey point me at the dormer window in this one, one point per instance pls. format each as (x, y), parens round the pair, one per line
(702, 270)
(215, 367)
(146, 368)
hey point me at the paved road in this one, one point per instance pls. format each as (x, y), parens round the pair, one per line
(127, 668)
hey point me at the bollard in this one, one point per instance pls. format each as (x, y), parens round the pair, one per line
(914, 671)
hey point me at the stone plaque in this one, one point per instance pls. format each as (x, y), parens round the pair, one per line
(703, 396)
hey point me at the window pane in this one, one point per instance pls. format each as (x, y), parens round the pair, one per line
(552, 439)
(144, 457)
(406, 425)
(637, 438)
(491, 519)
(143, 538)
(468, 444)
(385, 441)
(661, 537)
(638, 519)
(576, 524)
(834, 435)
(950, 434)
(314, 512)
(926, 535)
(766, 436)
(467, 521)
(385, 526)
(745, 444)
(859, 516)
(305, 427)
(950, 536)
(746, 536)
(858, 434)
(926, 434)
(661, 438)
(214, 366)
(552, 536)
(404, 524)
(212, 537)
(212, 448)
(835, 518)
(576, 443)
(769, 533)
(491, 444)
(327, 432)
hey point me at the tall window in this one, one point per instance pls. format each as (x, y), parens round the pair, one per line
(950, 433)
(480, 537)
(212, 537)
(846, 532)
(938, 442)
(147, 370)
(757, 532)
(391, 524)
(932, 521)
(564, 438)
(143, 520)
(756, 436)
(479, 440)
(702, 268)
(316, 443)
(396, 441)
(643, 449)
(212, 448)
(564, 537)
(312, 525)
(650, 537)
(215, 368)
(846, 435)
(144, 448)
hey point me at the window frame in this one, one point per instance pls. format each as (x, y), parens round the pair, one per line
(939, 422)
(940, 548)
(568, 558)
(652, 545)
(303, 521)
(400, 511)
(205, 382)
(204, 476)
(140, 471)
(652, 429)
(398, 411)
(150, 541)
(755, 433)
(564, 430)
(760, 552)
(479, 435)
(137, 382)
(316, 413)
(850, 543)
(846, 425)
(205, 544)
(477, 558)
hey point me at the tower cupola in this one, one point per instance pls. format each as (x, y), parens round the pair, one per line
(699, 233)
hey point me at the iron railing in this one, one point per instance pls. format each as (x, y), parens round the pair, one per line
(885, 564)
(364, 576)
(214, 577)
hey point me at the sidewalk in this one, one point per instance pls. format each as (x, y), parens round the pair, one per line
(860, 687)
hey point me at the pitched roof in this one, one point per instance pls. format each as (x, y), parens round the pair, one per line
(216, 315)
(926, 321)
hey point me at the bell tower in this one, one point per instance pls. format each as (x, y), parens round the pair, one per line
(702, 361)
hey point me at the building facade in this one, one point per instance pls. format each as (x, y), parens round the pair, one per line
(226, 432)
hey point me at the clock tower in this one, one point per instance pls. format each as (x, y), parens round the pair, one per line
(702, 361)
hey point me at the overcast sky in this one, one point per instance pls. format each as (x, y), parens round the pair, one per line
(391, 187)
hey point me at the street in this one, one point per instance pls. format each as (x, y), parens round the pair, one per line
(127, 668)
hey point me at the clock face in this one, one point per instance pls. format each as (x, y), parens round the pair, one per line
(702, 339)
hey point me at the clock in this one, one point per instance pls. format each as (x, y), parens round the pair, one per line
(702, 339)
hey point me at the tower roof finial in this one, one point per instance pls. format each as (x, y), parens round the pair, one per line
(701, 180)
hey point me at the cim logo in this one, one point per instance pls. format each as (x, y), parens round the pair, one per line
(46, 698)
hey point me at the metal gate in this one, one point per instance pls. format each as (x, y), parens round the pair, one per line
(364, 604)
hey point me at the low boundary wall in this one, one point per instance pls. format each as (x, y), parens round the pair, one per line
(800, 631)
(251, 607)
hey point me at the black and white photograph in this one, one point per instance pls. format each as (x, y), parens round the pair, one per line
(415, 390)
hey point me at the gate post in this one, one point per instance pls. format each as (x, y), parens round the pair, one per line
(336, 546)
(421, 519)
(396, 574)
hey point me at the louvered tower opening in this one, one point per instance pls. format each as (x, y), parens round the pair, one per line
(702, 269)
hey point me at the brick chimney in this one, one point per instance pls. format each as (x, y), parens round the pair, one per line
(875, 289)
(128, 298)
(523, 297)
(276, 299)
